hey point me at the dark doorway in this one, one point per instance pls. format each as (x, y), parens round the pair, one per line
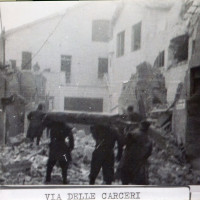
(83, 104)
(194, 80)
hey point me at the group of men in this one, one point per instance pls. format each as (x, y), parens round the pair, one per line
(133, 147)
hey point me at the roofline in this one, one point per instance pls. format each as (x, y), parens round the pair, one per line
(141, 3)
(52, 16)
(19, 28)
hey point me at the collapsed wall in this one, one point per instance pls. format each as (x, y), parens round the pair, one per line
(145, 90)
(19, 88)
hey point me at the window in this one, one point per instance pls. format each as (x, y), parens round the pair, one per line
(100, 30)
(51, 103)
(160, 60)
(136, 37)
(66, 66)
(120, 43)
(193, 46)
(178, 49)
(13, 64)
(195, 80)
(102, 67)
(26, 60)
(83, 104)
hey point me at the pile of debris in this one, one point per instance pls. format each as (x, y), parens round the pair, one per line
(169, 166)
(145, 90)
(22, 163)
(25, 164)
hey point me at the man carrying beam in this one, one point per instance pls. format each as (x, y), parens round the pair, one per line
(103, 155)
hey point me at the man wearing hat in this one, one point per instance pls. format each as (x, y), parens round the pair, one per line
(138, 147)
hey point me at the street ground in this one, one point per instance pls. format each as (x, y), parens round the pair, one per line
(23, 164)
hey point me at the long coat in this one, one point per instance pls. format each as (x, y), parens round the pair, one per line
(134, 161)
(35, 128)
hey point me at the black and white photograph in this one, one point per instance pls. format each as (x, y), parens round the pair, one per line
(100, 93)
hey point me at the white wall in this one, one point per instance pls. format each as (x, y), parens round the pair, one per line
(152, 42)
(72, 37)
(159, 26)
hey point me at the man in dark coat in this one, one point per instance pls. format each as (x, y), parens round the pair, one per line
(35, 128)
(103, 155)
(138, 147)
(59, 150)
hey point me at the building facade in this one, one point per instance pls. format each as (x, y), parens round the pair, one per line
(71, 51)
(86, 58)
(151, 38)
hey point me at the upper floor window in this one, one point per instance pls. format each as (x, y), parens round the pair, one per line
(120, 43)
(66, 66)
(100, 30)
(136, 37)
(178, 49)
(83, 104)
(26, 60)
(102, 67)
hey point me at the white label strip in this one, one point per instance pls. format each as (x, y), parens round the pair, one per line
(93, 193)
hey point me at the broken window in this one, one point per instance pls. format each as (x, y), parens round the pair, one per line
(102, 67)
(120, 43)
(160, 60)
(100, 30)
(26, 60)
(83, 104)
(178, 49)
(66, 66)
(136, 37)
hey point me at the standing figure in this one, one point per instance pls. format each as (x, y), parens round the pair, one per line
(103, 155)
(132, 117)
(59, 149)
(138, 147)
(35, 128)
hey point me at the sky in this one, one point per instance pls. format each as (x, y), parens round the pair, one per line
(18, 13)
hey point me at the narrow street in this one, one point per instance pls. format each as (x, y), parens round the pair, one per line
(26, 165)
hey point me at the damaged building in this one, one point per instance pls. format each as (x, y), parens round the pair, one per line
(74, 61)
(175, 59)
(150, 61)
(145, 90)
(21, 92)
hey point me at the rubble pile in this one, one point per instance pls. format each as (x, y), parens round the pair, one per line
(22, 163)
(169, 166)
(145, 90)
(25, 164)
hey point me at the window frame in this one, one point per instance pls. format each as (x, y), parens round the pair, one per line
(135, 47)
(62, 69)
(120, 44)
(101, 74)
(26, 64)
